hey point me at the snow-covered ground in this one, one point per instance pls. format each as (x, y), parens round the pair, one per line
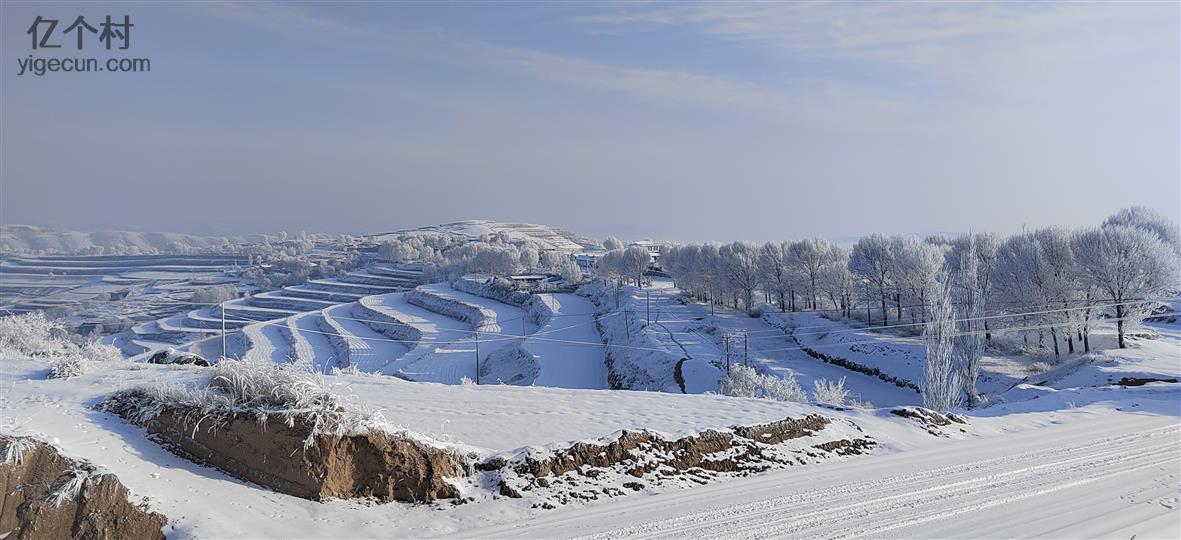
(1110, 476)
(1106, 467)
(1089, 445)
(766, 347)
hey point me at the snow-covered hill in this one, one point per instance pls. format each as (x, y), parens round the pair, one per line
(545, 235)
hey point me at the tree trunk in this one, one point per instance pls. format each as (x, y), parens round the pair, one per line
(1054, 334)
(1119, 324)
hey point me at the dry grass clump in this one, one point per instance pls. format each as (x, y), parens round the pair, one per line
(255, 389)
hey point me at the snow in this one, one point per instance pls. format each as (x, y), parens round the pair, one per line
(443, 354)
(1111, 476)
(364, 348)
(266, 342)
(1053, 461)
(569, 365)
(309, 343)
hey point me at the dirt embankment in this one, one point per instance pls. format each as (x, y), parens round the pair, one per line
(650, 456)
(934, 422)
(47, 495)
(384, 466)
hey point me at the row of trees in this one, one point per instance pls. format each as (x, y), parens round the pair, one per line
(1053, 280)
(446, 256)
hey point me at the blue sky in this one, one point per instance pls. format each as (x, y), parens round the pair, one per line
(691, 121)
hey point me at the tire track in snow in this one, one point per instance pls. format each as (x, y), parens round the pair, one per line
(908, 500)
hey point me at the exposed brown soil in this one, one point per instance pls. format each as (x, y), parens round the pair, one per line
(681, 454)
(577, 472)
(929, 419)
(376, 464)
(1141, 381)
(99, 510)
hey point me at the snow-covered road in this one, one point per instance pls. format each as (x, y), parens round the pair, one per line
(1107, 477)
(569, 365)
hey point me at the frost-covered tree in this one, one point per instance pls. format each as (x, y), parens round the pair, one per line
(571, 273)
(984, 246)
(633, 262)
(774, 271)
(553, 260)
(1130, 266)
(872, 261)
(1022, 279)
(837, 281)
(612, 243)
(1150, 220)
(214, 294)
(969, 343)
(498, 260)
(740, 264)
(809, 258)
(942, 389)
(916, 267)
(529, 256)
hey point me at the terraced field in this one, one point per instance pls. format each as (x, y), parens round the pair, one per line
(275, 307)
(430, 335)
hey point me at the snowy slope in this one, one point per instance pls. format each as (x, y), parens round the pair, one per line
(443, 353)
(365, 348)
(267, 342)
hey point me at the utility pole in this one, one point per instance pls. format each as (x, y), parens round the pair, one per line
(477, 334)
(523, 332)
(648, 305)
(222, 309)
(627, 324)
(726, 341)
(745, 348)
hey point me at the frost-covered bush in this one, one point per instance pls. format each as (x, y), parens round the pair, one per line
(249, 388)
(34, 334)
(746, 382)
(100, 352)
(64, 367)
(1037, 368)
(830, 392)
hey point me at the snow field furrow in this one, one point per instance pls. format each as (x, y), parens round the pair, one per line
(366, 349)
(444, 352)
(265, 341)
(309, 343)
